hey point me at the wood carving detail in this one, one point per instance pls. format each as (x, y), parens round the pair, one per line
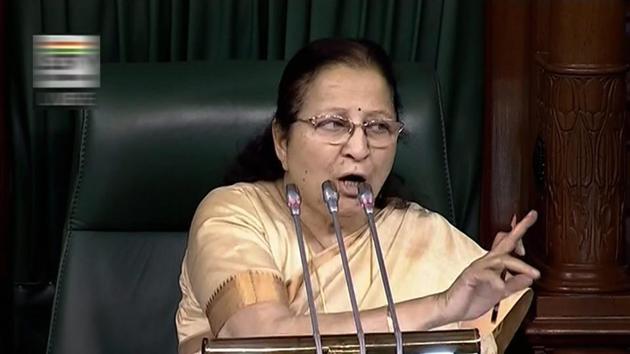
(583, 134)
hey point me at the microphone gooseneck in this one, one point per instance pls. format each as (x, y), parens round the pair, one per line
(366, 199)
(293, 202)
(331, 199)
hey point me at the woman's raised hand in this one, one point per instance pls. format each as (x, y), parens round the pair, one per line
(480, 286)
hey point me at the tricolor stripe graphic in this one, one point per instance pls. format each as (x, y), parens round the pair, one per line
(66, 61)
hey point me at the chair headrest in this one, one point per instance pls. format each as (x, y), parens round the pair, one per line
(163, 135)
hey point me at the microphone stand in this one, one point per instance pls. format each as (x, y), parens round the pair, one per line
(366, 199)
(331, 199)
(294, 201)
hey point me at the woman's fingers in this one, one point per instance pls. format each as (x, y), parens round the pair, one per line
(522, 226)
(498, 238)
(509, 242)
(512, 264)
(498, 263)
(483, 284)
(517, 283)
(491, 278)
(520, 247)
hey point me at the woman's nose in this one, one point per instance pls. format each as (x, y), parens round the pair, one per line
(357, 145)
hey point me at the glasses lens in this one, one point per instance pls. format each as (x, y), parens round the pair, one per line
(382, 133)
(336, 129)
(331, 128)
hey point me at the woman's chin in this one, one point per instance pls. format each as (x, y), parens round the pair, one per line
(349, 207)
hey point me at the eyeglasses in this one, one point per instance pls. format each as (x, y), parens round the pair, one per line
(336, 130)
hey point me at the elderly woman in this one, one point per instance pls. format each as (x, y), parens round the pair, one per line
(337, 119)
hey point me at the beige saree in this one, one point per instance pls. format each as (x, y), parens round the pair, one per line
(242, 250)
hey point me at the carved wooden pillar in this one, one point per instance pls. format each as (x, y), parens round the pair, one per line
(582, 110)
(579, 102)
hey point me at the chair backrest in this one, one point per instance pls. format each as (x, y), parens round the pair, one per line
(160, 138)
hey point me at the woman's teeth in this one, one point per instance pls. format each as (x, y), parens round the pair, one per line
(349, 187)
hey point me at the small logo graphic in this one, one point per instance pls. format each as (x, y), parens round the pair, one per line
(64, 67)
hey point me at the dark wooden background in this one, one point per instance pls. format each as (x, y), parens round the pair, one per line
(556, 97)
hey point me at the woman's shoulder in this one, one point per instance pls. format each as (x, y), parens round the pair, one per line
(435, 227)
(241, 193)
(243, 198)
(414, 212)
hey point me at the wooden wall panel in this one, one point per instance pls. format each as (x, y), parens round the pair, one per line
(580, 103)
(554, 129)
(627, 132)
(507, 108)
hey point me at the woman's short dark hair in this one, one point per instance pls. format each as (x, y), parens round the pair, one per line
(258, 161)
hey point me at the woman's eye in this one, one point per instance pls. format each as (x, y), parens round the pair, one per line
(332, 124)
(379, 127)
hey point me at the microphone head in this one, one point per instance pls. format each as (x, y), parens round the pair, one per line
(293, 198)
(330, 195)
(366, 197)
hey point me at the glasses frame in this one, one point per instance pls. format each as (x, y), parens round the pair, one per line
(313, 120)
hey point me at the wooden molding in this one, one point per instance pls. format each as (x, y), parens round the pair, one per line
(588, 321)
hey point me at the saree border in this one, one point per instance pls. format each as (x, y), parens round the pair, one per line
(242, 290)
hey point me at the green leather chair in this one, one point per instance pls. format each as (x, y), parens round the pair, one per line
(160, 139)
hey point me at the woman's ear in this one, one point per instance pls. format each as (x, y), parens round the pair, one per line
(280, 141)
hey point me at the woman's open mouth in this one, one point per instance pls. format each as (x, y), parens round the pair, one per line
(348, 186)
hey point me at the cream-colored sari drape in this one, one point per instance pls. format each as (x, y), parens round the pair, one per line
(242, 250)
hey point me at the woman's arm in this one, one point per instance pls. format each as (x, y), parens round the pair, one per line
(477, 289)
(275, 319)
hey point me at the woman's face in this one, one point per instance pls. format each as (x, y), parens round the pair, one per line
(359, 95)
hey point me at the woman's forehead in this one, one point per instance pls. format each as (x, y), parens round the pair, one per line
(366, 111)
(346, 88)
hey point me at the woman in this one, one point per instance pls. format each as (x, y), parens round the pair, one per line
(337, 119)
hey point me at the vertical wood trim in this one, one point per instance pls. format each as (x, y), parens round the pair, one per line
(627, 132)
(507, 66)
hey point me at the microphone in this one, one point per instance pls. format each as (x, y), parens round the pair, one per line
(331, 199)
(366, 199)
(293, 202)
